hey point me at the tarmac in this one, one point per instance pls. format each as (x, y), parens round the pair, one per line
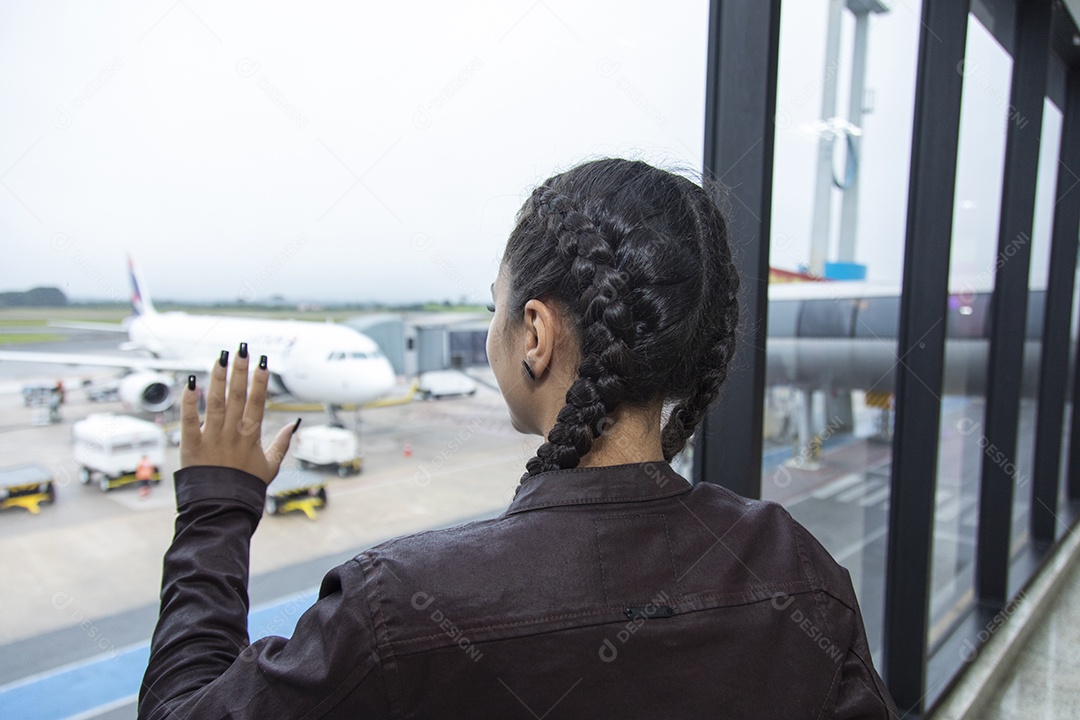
(81, 579)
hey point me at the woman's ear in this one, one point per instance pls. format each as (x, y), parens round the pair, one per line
(542, 325)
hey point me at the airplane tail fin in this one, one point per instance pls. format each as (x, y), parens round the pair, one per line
(140, 299)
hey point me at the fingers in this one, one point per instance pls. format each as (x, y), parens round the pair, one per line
(232, 433)
(256, 403)
(215, 396)
(276, 452)
(189, 421)
(237, 393)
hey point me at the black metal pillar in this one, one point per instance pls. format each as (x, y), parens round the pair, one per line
(1072, 487)
(921, 346)
(740, 108)
(1056, 343)
(1009, 302)
(1067, 212)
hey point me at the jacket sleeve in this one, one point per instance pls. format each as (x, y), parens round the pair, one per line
(861, 693)
(201, 665)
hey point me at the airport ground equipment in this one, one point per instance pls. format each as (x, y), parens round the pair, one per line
(31, 392)
(295, 490)
(445, 383)
(102, 390)
(325, 446)
(26, 486)
(45, 400)
(109, 447)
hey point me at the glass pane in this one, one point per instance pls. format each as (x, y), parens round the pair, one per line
(315, 161)
(980, 168)
(1063, 473)
(1045, 190)
(843, 145)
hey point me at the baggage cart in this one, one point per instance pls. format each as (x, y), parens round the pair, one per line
(108, 449)
(295, 489)
(26, 486)
(324, 446)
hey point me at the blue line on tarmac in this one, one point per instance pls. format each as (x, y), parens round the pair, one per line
(776, 456)
(103, 680)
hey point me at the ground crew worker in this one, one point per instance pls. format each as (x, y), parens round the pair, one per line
(144, 473)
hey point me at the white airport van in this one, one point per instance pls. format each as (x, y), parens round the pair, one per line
(110, 447)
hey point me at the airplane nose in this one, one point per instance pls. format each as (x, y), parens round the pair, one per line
(369, 381)
(382, 380)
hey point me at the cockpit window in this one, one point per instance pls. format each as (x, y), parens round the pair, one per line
(354, 355)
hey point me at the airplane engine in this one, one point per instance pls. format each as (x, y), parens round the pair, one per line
(149, 391)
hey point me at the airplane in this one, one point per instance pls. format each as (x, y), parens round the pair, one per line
(314, 362)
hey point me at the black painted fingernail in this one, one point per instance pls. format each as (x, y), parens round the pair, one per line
(262, 362)
(223, 361)
(297, 425)
(190, 382)
(243, 351)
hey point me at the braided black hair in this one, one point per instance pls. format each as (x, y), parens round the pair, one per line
(638, 259)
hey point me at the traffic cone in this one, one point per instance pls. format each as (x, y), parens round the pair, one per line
(408, 449)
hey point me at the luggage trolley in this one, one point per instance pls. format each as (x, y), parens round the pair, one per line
(26, 486)
(328, 447)
(109, 447)
(296, 489)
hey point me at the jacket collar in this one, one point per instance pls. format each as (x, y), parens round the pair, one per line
(636, 482)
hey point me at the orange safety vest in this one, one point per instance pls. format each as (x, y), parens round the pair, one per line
(145, 471)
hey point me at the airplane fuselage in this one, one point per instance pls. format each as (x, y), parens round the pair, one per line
(312, 361)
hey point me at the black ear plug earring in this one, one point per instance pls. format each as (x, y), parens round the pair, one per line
(529, 370)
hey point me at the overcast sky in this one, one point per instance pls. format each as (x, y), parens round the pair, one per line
(357, 152)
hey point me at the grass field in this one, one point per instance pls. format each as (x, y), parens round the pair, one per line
(29, 337)
(21, 323)
(39, 317)
(26, 318)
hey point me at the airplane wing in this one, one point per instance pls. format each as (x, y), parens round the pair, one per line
(130, 363)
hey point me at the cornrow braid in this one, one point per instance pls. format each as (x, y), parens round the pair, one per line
(606, 334)
(637, 259)
(713, 367)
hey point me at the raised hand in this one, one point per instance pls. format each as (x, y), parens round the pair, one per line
(231, 435)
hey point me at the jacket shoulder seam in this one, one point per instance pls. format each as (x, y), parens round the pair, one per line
(387, 660)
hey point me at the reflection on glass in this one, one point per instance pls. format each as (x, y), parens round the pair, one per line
(845, 96)
(1063, 470)
(1045, 190)
(963, 447)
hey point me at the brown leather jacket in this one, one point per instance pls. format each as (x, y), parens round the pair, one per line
(614, 592)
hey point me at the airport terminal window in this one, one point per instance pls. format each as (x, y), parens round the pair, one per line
(876, 317)
(969, 314)
(980, 167)
(784, 318)
(1045, 190)
(845, 101)
(324, 179)
(826, 318)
